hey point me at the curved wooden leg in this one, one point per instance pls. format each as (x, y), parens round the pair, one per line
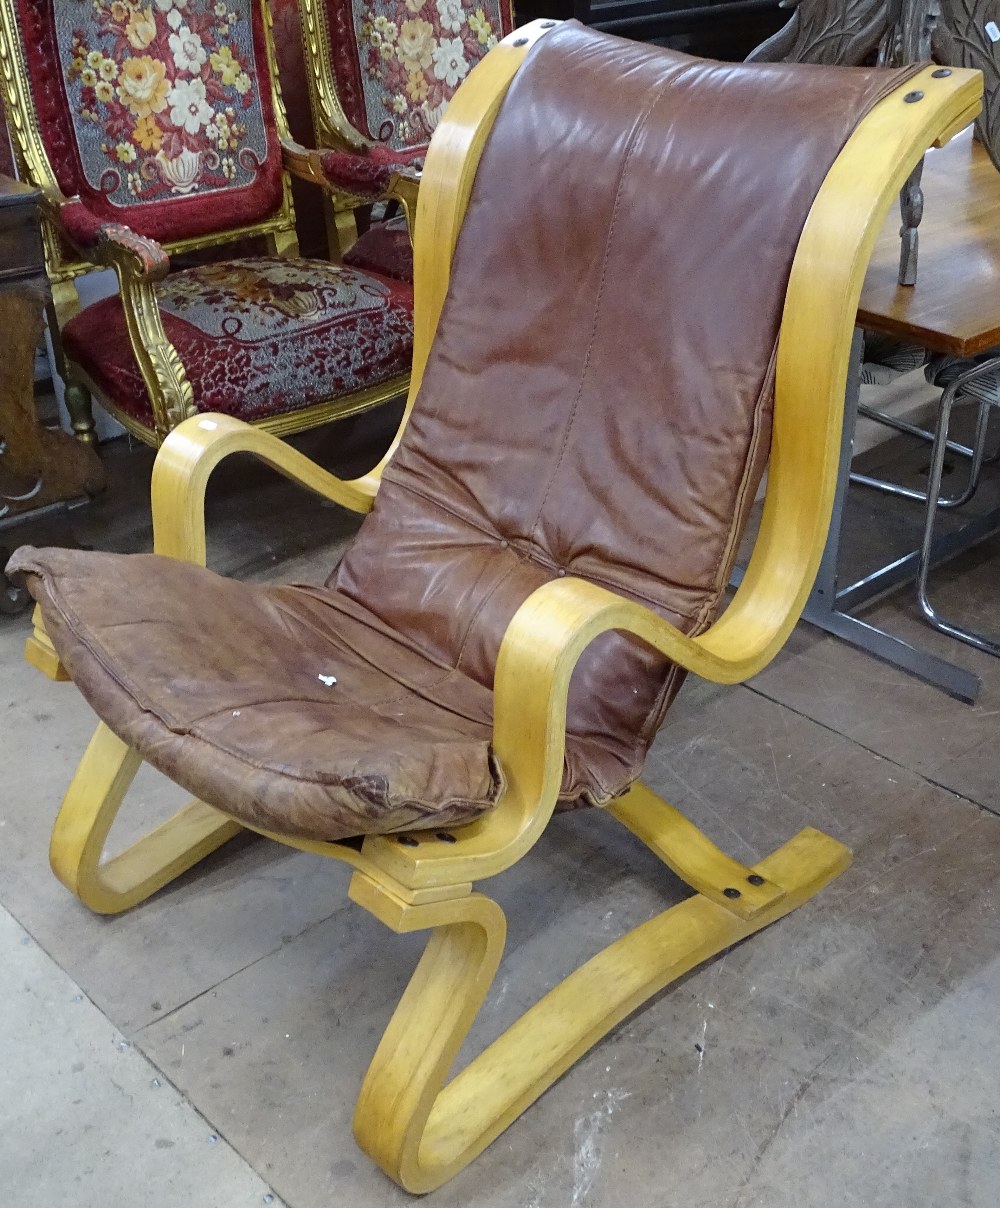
(41, 654)
(422, 1132)
(398, 1120)
(89, 808)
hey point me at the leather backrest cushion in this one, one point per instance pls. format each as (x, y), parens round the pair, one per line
(598, 397)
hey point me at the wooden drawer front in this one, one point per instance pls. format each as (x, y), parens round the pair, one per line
(20, 238)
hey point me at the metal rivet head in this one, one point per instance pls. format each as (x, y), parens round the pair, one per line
(913, 96)
(520, 42)
(732, 893)
(561, 572)
(754, 879)
(941, 73)
(407, 840)
(445, 837)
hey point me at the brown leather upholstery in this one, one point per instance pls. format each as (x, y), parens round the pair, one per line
(597, 403)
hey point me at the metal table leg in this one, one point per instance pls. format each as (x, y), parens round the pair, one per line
(824, 607)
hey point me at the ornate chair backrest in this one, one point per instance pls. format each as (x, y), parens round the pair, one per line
(160, 115)
(383, 73)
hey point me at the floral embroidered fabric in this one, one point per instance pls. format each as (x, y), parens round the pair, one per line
(161, 97)
(257, 337)
(399, 62)
(142, 102)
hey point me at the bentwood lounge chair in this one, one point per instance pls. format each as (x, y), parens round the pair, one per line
(380, 78)
(156, 130)
(545, 551)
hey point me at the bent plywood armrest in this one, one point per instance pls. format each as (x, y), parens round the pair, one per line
(545, 551)
(193, 450)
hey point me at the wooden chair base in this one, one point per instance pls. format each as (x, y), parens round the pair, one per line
(88, 810)
(41, 654)
(419, 1130)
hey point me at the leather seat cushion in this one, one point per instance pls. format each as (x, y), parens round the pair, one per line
(257, 337)
(223, 686)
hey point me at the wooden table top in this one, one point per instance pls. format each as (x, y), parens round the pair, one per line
(955, 305)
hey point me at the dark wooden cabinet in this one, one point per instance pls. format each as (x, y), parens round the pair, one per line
(39, 466)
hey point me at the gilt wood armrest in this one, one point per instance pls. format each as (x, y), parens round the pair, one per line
(139, 263)
(318, 166)
(191, 452)
(353, 178)
(111, 244)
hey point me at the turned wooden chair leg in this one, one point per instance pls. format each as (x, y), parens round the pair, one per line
(88, 810)
(422, 1132)
(80, 406)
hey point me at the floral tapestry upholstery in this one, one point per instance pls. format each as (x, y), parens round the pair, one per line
(397, 63)
(150, 110)
(257, 337)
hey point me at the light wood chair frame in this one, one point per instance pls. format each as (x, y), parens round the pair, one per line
(420, 1130)
(170, 393)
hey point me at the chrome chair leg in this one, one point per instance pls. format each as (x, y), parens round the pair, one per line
(933, 492)
(977, 455)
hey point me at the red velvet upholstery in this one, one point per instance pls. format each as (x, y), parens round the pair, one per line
(150, 113)
(370, 173)
(397, 63)
(257, 337)
(287, 31)
(384, 248)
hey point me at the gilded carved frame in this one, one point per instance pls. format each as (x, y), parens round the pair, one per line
(170, 393)
(334, 129)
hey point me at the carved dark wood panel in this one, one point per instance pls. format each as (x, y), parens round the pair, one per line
(968, 35)
(831, 32)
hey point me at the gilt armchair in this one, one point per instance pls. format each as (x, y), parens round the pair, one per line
(380, 78)
(545, 550)
(154, 131)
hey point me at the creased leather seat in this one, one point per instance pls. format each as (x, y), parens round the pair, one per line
(596, 403)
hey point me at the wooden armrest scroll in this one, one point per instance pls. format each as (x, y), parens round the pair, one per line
(540, 649)
(192, 451)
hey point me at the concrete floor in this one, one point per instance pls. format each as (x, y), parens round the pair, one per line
(206, 1048)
